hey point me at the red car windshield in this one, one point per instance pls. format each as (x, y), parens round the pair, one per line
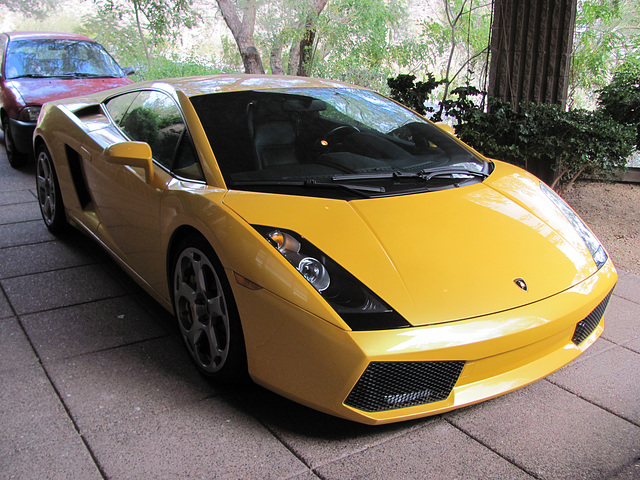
(60, 58)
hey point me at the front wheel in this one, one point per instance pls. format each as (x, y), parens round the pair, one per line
(48, 190)
(206, 312)
(16, 159)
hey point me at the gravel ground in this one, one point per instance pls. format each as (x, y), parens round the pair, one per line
(612, 210)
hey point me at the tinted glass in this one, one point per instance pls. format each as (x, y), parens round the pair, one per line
(118, 106)
(295, 140)
(154, 118)
(59, 58)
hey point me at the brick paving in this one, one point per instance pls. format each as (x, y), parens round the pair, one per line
(95, 384)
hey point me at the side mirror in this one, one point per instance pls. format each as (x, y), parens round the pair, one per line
(132, 154)
(446, 127)
(128, 71)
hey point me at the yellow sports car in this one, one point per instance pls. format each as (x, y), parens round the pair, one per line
(347, 253)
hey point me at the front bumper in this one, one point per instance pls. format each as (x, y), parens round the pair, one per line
(22, 133)
(315, 363)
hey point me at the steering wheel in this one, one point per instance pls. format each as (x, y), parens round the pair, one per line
(341, 127)
(324, 143)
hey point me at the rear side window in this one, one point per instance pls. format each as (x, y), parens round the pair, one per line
(118, 106)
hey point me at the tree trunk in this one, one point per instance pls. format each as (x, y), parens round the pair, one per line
(294, 59)
(251, 59)
(242, 31)
(559, 176)
(301, 53)
(275, 59)
(141, 33)
(563, 189)
(306, 51)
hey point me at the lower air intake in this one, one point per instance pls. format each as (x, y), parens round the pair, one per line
(391, 385)
(589, 324)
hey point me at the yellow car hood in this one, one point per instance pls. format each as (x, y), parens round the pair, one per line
(444, 255)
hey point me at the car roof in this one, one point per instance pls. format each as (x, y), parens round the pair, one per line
(192, 86)
(28, 35)
(207, 84)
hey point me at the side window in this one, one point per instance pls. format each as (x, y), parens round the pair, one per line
(154, 118)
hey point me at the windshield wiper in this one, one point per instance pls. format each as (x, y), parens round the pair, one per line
(29, 75)
(95, 75)
(360, 190)
(426, 174)
(63, 75)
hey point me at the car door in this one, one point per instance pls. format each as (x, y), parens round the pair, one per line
(128, 204)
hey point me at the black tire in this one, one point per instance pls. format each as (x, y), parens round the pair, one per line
(16, 159)
(206, 312)
(48, 191)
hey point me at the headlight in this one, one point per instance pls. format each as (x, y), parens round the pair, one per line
(29, 114)
(358, 306)
(589, 239)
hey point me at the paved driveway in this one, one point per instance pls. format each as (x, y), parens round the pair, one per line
(94, 383)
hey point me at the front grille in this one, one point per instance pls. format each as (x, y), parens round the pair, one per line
(585, 327)
(390, 385)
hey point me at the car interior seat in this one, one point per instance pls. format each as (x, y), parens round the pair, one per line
(274, 141)
(275, 144)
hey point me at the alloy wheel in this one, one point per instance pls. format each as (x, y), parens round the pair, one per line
(201, 310)
(46, 185)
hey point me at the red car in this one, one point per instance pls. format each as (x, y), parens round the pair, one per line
(38, 67)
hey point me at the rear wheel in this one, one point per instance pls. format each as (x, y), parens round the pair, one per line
(206, 312)
(48, 189)
(16, 159)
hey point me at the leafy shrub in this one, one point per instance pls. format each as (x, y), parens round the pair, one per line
(166, 67)
(554, 144)
(406, 90)
(621, 98)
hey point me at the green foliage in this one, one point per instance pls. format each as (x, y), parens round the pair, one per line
(155, 21)
(606, 36)
(569, 142)
(278, 22)
(38, 9)
(116, 30)
(356, 41)
(119, 37)
(406, 90)
(469, 109)
(163, 17)
(142, 124)
(456, 42)
(171, 67)
(621, 98)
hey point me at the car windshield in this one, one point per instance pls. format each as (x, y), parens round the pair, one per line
(39, 58)
(335, 142)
